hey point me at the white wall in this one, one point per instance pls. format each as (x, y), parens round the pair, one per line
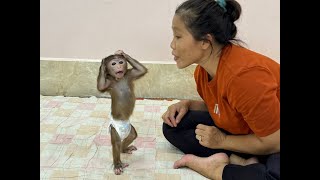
(93, 29)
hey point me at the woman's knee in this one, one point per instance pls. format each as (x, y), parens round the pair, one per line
(165, 130)
(171, 133)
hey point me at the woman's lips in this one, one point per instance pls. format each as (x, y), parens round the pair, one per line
(174, 56)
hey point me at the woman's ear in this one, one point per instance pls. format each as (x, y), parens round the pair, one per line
(207, 41)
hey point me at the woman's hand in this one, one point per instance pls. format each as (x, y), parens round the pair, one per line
(181, 108)
(210, 136)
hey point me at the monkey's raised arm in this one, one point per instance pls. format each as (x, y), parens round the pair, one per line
(102, 82)
(138, 69)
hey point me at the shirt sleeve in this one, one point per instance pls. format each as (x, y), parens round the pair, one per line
(253, 93)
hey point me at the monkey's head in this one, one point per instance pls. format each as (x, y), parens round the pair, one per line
(116, 66)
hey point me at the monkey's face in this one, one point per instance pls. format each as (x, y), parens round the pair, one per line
(117, 68)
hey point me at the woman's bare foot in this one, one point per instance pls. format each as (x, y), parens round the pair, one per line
(210, 167)
(234, 159)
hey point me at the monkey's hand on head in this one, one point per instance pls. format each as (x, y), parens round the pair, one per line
(126, 56)
(102, 81)
(103, 69)
(119, 52)
(138, 69)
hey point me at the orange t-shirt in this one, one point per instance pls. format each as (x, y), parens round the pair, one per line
(244, 95)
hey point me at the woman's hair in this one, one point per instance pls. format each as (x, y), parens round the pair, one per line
(217, 18)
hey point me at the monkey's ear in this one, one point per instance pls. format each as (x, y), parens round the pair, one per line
(106, 71)
(103, 61)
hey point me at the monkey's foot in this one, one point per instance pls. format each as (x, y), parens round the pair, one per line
(130, 149)
(118, 168)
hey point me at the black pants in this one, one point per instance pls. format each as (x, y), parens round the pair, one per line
(184, 138)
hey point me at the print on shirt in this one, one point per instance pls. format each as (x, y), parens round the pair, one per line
(216, 109)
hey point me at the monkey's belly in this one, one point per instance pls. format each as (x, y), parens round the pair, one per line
(123, 108)
(123, 102)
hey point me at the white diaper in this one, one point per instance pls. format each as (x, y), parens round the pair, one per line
(123, 127)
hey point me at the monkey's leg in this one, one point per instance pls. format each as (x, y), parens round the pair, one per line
(116, 146)
(128, 140)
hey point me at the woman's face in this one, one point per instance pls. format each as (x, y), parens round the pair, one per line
(185, 49)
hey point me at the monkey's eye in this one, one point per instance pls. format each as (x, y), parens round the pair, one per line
(121, 62)
(113, 63)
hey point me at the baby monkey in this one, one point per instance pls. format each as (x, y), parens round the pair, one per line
(115, 78)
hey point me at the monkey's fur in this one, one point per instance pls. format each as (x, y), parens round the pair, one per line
(115, 78)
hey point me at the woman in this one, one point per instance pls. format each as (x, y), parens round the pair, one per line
(234, 132)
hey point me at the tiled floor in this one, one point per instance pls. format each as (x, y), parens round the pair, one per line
(75, 144)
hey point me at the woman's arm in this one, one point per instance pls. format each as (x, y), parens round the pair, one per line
(253, 144)
(213, 138)
(196, 105)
